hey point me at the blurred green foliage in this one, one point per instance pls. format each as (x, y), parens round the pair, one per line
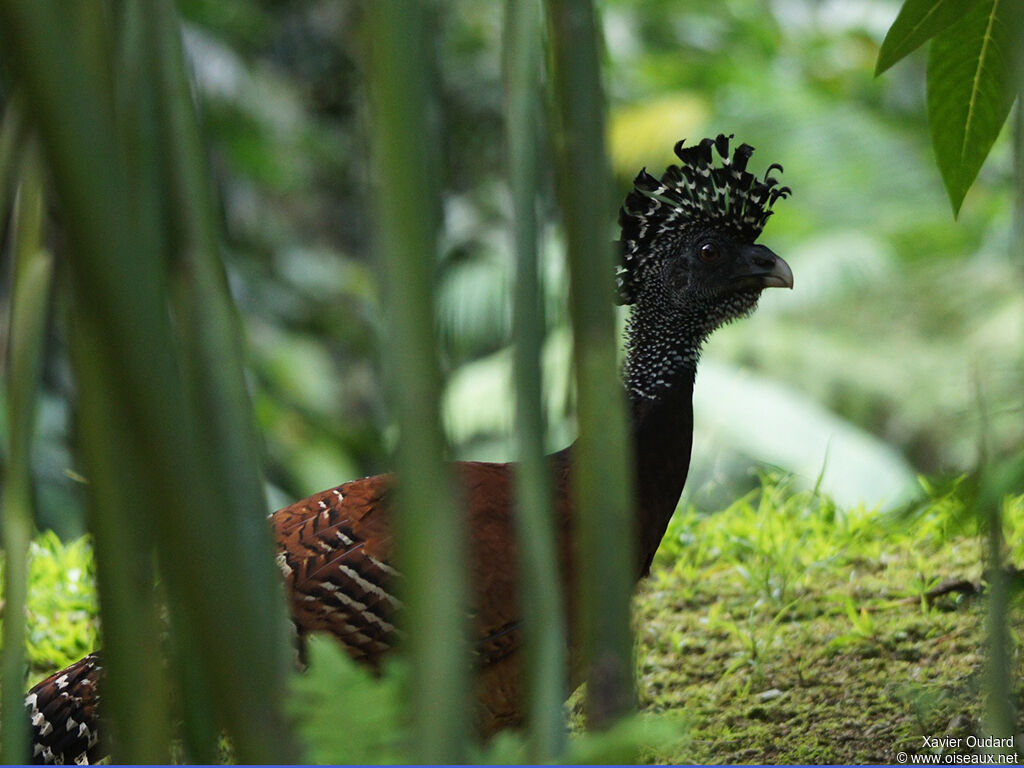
(904, 325)
(899, 353)
(62, 604)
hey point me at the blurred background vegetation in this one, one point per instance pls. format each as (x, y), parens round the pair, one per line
(898, 353)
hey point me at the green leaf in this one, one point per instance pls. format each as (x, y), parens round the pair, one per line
(335, 690)
(32, 277)
(918, 21)
(970, 91)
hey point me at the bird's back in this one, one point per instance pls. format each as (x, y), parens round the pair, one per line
(336, 553)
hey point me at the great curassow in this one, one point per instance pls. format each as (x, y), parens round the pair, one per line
(689, 265)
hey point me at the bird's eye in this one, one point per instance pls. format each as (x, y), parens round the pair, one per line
(710, 252)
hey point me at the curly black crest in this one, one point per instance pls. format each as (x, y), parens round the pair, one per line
(694, 194)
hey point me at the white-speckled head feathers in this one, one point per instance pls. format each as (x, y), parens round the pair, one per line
(689, 260)
(695, 194)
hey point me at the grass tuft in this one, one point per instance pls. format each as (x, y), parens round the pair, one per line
(792, 631)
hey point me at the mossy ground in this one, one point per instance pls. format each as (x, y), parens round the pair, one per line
(784, 630)
(780, 630)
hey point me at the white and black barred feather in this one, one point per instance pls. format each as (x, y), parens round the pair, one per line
(63, 713)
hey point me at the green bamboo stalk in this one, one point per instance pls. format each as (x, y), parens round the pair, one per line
(1000, 717)
(1018, 157)
(1000, 712)
(141, 122)
(12, 131)
(542, 599)
(115, 462)
(65, 72)
(33, 272)
(132, 397)
(601, 480)
(431, 525)
(251, 621)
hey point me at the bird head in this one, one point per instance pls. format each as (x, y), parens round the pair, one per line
(688, 239)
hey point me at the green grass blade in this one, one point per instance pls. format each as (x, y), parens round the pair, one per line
(971, 87)
(116, 464)
(1000, 716)
(142, 120)
(918, 21)
(431, 525)
(12, 131)
(148, 475)
(1018, 162)
(251, 628)
(994, 505)
(601, 475)
(542, 598)
(33, 272)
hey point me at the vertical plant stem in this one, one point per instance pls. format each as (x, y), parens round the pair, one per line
(1018, 157)
(254, 632)
(431, 525)
(33, 270)
(1000, 714)
(999, 709)
(114, 460)
(149, 466)
(601, 480)
(542, 599)
(142, 121)
(12, 131)
(65, 71)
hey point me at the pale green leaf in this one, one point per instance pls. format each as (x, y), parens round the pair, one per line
(796, 434)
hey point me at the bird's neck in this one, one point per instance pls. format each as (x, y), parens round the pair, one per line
(662, 349)
(662, 352)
